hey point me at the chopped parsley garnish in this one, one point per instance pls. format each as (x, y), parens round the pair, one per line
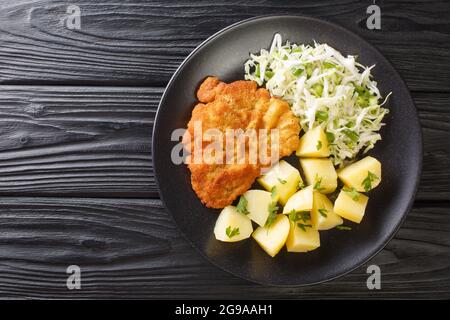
(343, 228)
(352, 193)
(231, 232)
(295, 216)
(242, 205)
(281, 181)
(303, 226)
(273, 192)
(367, 182)
(273, 209)
(317, 185)
(319, 145)
(305, 216)
(323, 212)
(301, 185)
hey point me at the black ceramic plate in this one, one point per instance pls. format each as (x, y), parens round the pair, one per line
(223, 55)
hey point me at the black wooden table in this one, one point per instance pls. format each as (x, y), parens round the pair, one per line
(76, 179)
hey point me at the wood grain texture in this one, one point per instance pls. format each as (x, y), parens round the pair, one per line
(434, 112)
(143, 42)
(76, 140)
(130, 248)
(96, 141)
(65, 149)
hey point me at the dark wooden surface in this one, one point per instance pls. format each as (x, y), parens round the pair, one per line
(76, 176)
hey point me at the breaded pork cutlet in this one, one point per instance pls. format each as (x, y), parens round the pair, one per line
(238, 105)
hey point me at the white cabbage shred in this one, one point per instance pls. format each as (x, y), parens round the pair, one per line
(323, 88)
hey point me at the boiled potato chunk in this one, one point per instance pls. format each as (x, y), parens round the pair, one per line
(363, 173)
(313, 143)
(258, 202)
(350, 208)
(302, 240)
(273, 238)
(232, 226)
(302, 200)
(320, 173)
(323, 216)
(284, 178)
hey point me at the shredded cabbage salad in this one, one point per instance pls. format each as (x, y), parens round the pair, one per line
(323, 88)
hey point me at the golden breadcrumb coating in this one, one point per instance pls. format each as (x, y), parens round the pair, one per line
(238, 105)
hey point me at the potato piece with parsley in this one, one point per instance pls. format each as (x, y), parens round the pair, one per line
(232, 226)
(320, 173)
(323, 216)
(272, 238)
(350, 204)
(303, 237)
(282, 179)
(257, 205)
(363, 175)
(302, 200)
(313, 143)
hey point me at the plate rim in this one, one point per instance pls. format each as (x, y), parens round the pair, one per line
(333, 25)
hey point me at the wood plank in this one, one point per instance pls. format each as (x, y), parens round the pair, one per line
(434, 112)
(143, 42)
(96, 141)
(77, 141)
(131, 248)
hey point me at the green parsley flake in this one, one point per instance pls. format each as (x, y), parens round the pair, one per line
(273, 209)
(303, 226)
(319, 145)
(367, 182)
(273, 192)
(317, 185)
(352, 193)
(323, 212)
(295, 216)
(242, 205)
(231, 232)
